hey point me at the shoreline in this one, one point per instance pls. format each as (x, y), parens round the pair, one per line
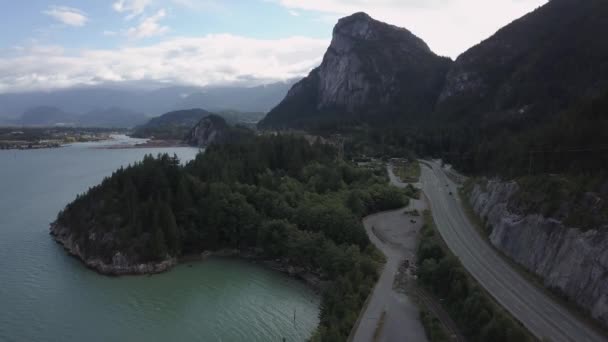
(120, 267)
(147, 144)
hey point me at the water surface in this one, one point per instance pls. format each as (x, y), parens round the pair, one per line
(46, 295)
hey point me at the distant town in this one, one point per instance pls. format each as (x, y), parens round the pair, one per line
(25, 138)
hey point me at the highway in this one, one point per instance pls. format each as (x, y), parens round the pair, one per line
(544, 317)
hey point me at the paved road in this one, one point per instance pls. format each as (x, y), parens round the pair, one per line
(543, 317)
(395, 235)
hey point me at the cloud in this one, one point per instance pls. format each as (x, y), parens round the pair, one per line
(132, 8)
(449, 26)
(210, 59)
(67, 15)
(149, 27)
(200, 5)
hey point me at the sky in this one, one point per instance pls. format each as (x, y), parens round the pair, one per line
(51, 44)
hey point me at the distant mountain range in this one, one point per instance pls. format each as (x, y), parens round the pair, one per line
(83, 105)
(52, 116)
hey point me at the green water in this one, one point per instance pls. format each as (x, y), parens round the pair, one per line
(46, 295)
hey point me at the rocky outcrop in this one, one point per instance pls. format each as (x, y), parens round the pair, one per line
(122, 265)
(570, 260)
(211, 129)
(370, 69)
(119, 265)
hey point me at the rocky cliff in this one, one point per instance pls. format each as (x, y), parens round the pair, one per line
(120, 263)
(572, 261)
(211, 129)
(370, 69)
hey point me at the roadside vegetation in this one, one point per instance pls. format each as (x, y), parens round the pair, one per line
(432, 327)
(275, 197)
(408, 171)
(473, 310)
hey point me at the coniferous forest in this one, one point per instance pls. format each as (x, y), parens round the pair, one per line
(279, 197)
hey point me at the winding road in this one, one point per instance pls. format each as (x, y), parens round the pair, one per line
(539, 313)
(391, 315)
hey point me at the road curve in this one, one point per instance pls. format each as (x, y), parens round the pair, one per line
(394, 234)
(539, 313)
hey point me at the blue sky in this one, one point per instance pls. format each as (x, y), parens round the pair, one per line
(53, 44)
(251, 18)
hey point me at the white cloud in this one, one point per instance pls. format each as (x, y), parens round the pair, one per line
(449, 26)
(211, 59)
(149, 26)
(133, 8)
(293, 13)
(200, 5)
(67, 15)
(109, 33)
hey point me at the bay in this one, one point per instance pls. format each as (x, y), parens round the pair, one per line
(46, 295)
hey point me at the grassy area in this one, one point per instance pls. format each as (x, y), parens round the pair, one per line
(475, 312)
(485, 230)
(408, 172)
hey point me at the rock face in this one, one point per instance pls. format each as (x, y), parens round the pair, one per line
(370, 69)
(120, 264)
(569, 260)
(211, 129)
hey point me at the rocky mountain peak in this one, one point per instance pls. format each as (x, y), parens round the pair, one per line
(360, 26)
(370, 69)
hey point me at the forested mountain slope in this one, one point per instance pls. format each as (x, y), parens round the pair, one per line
(537, 89)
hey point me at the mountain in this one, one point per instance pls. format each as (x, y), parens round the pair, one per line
(242, 99)
(172, 125)
(371, 71)
(241, 118)
(46, 116)
(537, 89)
(537, 66)
(114, 117)
(213, 129)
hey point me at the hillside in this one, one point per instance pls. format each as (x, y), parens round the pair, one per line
(172, 125)
(538, 65)
(213, 129)
(538, 86)
(372, 71)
